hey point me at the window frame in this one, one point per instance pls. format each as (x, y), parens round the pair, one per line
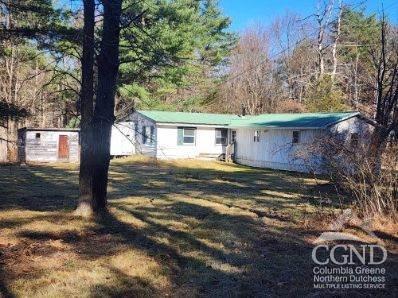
(193, 129)
(148, 134)
(233, 136)
(256, 137)
(225, 136)
(143, 134)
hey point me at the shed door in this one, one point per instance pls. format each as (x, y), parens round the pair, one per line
(63, 147)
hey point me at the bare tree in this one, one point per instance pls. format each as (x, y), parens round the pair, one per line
(323, 17)
(336, 40)
(251, 75)
(385, 120)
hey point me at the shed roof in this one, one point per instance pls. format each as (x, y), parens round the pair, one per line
(301, 120)
(49, 129)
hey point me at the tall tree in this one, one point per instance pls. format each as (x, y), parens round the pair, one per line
(103, 119)
(25, 75)
(359, 34)
(385, 121)
(86, 108)
(252, 77)
(170, 51)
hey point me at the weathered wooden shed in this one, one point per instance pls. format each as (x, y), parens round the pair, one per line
(48, 145)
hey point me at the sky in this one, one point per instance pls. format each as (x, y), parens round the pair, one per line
(246, 12)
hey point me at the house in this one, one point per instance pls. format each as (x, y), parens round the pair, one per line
(48, 145)
(268, 140)
(274, 141)
(168, 135)
(289, 141)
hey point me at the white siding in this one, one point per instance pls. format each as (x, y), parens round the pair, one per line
(3, 151)
(3, 142)
(275, 149)
(352, 125)
(205, 143)
(45, 149)
(167, 144)
(138, 122)
(123, 139)
(166, 140)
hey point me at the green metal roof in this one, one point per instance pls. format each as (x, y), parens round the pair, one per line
(190, 118)
(302, 120)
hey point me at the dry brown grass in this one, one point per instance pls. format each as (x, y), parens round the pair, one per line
(180, 228)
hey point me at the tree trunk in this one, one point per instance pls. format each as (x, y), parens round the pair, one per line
(12, 135)
(85, 207)
(108, 68)
(377, 146)
(336, 40)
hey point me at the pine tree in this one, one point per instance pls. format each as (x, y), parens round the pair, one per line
(169, 48)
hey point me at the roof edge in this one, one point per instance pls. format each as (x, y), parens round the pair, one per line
(49, 129)
(352, 115)
(145, 116)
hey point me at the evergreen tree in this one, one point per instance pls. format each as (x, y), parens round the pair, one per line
(168, 47)
(324, 96)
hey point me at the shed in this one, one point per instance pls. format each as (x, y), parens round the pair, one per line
(48, 145)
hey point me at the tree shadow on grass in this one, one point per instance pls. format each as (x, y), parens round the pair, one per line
(4, 291)
(211, 250)
(242, 263)
(126, 286)
(38, 188)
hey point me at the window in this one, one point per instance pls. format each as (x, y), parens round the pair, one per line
(296, 137)
(186, 135)
(221, 136)
(148, 133)
(136, 131)
(189, 136)
(233, 136)
(37, 136)
(354, 140)
(257, 136)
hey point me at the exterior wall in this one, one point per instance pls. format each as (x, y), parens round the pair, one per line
(3, 151)
(45, 149)
(205, 143)
(3, 141)
(353, 125)
(275, 149)
(138, 122)
(165, 145)
(123, 139)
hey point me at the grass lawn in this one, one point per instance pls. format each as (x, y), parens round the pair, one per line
(181, 228)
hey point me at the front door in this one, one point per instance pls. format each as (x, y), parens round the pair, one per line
(63, 147)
